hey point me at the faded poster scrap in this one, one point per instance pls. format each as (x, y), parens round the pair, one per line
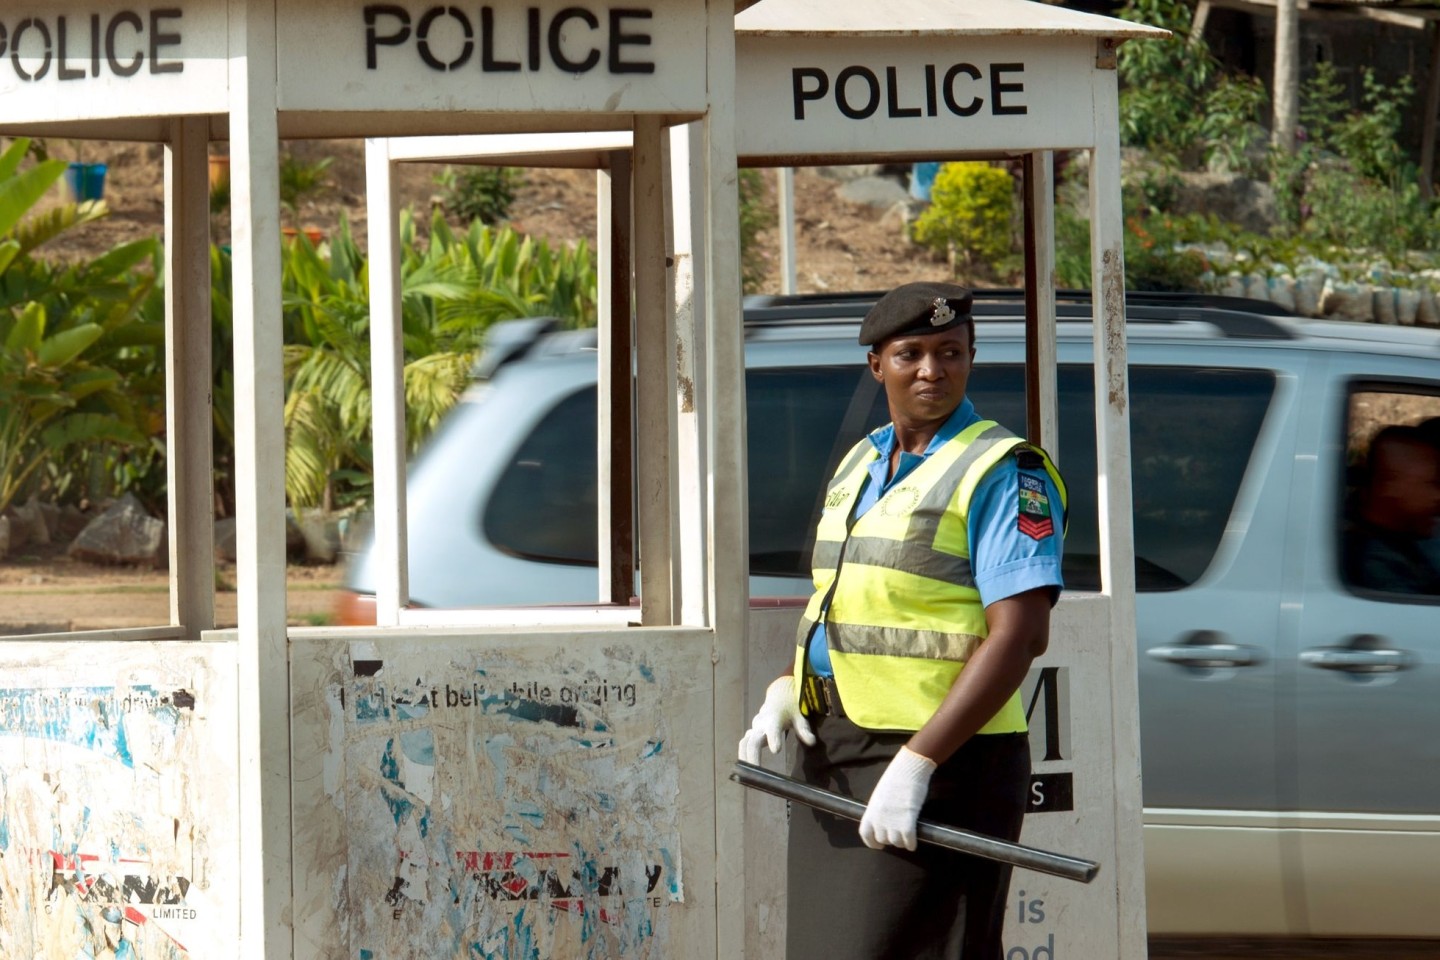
(105, 823)
(509, 807)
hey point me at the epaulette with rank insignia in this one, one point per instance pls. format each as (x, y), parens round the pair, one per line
(1028, 458)
(1035, 520)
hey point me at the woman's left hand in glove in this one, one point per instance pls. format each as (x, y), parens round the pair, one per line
(895, 803)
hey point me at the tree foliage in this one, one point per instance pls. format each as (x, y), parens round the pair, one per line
(1176, 101)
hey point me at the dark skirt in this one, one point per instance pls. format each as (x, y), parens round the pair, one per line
(848, 902)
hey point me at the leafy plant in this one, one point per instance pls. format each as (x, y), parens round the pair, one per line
(480, 192)
(452, 289)
(971, 212)
(74, 337)
(1154, 257)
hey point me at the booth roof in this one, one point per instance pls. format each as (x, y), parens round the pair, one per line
(906, 18)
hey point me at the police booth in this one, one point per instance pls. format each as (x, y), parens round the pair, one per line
(848, 84)
(501, 783)
(836, 83)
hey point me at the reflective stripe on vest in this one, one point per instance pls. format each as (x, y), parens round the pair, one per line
(905, 615)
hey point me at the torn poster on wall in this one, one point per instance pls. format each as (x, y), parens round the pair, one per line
(501, 805)
(112, 795)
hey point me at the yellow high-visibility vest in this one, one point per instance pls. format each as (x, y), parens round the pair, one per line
(905, 614)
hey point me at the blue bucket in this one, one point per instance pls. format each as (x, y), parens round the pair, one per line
(86, 181)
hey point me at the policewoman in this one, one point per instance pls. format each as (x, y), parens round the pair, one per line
(937, 561)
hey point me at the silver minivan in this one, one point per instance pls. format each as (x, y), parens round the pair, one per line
(1290, 718)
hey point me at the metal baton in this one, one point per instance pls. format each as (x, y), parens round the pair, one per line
(963, 841)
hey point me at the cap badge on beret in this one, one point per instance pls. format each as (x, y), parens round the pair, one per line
(942, 314)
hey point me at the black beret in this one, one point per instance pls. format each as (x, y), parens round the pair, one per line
(916, 308)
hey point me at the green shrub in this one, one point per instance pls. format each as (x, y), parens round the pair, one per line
(479, 192)
(299, 179)
(972, 212)
(1152, 261)
(453, 287)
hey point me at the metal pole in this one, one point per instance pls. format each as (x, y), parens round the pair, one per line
(189, 460)
(961, 841)
(616, 452)
(789, 273)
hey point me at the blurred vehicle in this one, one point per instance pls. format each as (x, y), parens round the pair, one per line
(1290, 721)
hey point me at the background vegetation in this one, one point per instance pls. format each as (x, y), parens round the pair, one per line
(81, 369)
(1347, 201)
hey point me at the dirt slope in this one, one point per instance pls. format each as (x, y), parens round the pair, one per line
(840, 245)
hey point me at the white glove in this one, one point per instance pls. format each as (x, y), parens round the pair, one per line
(779, 712)
(896, 800)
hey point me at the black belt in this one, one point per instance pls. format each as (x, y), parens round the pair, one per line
(820, 697)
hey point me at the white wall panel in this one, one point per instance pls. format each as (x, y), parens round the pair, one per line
(505, 795)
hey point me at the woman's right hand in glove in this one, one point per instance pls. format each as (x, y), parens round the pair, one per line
(779, 713)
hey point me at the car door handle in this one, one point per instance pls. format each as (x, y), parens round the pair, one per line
(1206, 648)
(1360, 654)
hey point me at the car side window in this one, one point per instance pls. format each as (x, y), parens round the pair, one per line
(545, 504)
(799, 422)
(1389, 507)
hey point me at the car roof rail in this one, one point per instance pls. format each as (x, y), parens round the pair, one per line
(1169, 298)
(1232, 317)
(772, 308)
(507, 340)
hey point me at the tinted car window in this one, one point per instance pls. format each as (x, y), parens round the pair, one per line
(1192, 432)
(1389, 547)
(546, 503)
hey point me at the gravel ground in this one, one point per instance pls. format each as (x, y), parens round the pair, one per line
(54, 594)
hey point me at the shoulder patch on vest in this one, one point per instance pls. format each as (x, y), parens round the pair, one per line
(1034, 515)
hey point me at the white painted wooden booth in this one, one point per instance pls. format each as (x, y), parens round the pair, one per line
(824, 82)
(515, 784)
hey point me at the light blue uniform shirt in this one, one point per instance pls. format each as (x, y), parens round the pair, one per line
(1004, 560)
